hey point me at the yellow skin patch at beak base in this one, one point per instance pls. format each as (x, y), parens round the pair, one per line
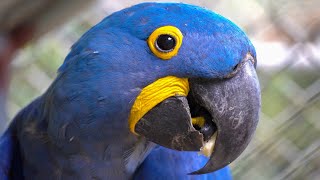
(155, 93)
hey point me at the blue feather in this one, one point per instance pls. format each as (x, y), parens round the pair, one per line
(163, 163)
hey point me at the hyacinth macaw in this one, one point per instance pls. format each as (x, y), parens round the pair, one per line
(136, 93)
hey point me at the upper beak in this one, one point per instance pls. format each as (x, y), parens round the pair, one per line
(230, 108)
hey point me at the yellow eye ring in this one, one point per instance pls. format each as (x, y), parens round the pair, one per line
(165, 42)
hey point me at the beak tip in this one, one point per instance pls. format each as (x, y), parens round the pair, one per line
(198, 172)
(235, 125)
(201, 171)
(209, 168)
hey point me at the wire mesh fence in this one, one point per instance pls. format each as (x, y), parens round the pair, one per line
(287, 38)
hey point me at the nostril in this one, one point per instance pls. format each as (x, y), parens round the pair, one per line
(235, 67)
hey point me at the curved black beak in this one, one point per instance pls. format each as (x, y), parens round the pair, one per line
(234, 105)
(229, 106)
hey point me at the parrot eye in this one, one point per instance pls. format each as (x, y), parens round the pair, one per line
(165, 42)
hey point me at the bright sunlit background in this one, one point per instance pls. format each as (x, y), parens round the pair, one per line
(286, 35)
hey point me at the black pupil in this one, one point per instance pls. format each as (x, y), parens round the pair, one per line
(165, 42)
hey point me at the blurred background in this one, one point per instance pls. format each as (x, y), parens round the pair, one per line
(286, 35)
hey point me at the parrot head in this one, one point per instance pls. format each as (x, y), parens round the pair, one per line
(175, 74)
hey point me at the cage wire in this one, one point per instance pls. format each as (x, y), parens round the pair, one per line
(287, 37)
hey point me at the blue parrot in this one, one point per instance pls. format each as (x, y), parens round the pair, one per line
(138, 97)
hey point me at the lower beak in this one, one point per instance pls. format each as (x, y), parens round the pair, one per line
(230, 108)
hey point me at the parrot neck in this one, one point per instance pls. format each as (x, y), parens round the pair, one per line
(116, 156)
